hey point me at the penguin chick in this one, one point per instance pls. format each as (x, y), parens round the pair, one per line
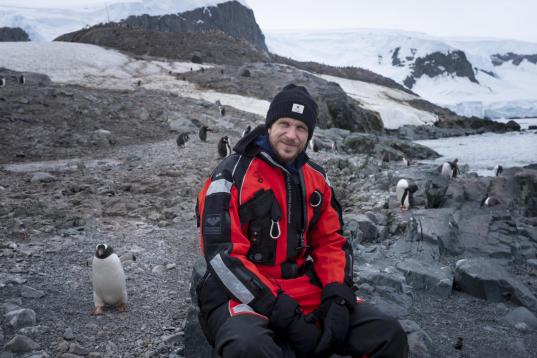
(109, 286)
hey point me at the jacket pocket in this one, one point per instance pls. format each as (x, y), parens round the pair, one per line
(262, 214)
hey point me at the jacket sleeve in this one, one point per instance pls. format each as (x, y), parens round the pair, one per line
(224, 245)
(330, 250)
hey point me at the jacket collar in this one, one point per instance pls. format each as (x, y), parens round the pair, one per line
(256, 142)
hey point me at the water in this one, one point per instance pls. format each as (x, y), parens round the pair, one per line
(483, 152)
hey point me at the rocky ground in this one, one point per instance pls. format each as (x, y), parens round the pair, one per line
(81, 166)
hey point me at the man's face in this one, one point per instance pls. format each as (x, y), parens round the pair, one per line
(288, 138)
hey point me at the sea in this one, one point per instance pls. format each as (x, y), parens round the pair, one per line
(482, 152)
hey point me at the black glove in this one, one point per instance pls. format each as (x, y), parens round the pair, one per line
(337, 303)
(287, 318)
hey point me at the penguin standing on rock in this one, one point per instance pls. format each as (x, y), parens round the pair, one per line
(498, 170)
(22, 79)
(2, 81)
(450, 169)
(334, 147)
(489, 201)
(405, 190)
(109, 286)
(222, 111)
(405, 162)
(181, 140)
(224, 148)
(246, 131)
(314, 145)
(203, 133)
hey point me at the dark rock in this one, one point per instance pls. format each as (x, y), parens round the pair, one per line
(435, 191)
(483, 279)
(196, 57)
(438, 63)
(419, 342)
(20, 318)
(522, 315)
(29, 292)
(427, 277)
(11, 34)
(21, 344)
(516, 59)
(245, 73)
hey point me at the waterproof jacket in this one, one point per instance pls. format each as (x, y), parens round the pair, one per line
(266, 229)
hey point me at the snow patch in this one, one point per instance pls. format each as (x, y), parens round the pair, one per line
(96, 67)
(389, 103)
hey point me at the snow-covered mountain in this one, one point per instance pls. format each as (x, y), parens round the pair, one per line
(45, 23)
(484, 77)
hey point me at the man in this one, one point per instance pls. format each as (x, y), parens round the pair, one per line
(279, 272)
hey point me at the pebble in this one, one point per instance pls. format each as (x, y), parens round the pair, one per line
(29, 292)
(42, 177)
(76, 348)
(20, 318)
(68, 334)
(20, 344)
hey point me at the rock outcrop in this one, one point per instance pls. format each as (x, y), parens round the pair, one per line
(13, 34)
(434, 64)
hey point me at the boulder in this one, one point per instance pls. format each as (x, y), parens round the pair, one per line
(426, 277)
(522, 315)
(435, 191)
(484, 279)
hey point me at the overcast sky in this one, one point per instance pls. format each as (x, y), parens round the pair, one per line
(513, 19)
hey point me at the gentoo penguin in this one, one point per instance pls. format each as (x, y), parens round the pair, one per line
(445, 170)
(181, 140)
(222, 111)
(314, 145)
(2, 81)
(246, 131)
(489, 201)
(22, 79)
(203, 133)
(405, 162)
(498, 170)
(454, 168)
(405, 193)
(386, 157)
(450, 169)
(334, 147)
(224, 149)
(109, 287)
(139, 83)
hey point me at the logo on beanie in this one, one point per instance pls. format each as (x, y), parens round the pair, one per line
(297, 108)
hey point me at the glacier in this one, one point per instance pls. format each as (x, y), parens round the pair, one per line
(506, 90)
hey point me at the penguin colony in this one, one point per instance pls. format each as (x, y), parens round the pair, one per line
(108, 278)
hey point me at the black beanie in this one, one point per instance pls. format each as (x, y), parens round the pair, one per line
(294, 102)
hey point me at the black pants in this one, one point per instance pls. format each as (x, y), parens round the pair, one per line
(372, 334)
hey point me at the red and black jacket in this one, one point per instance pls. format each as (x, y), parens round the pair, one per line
(261, 225)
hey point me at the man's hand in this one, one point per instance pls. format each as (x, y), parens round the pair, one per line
(337, 303)
(287, 318)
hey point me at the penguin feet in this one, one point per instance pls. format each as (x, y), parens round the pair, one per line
(98, 310)
(402, 208)
(121, 307)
